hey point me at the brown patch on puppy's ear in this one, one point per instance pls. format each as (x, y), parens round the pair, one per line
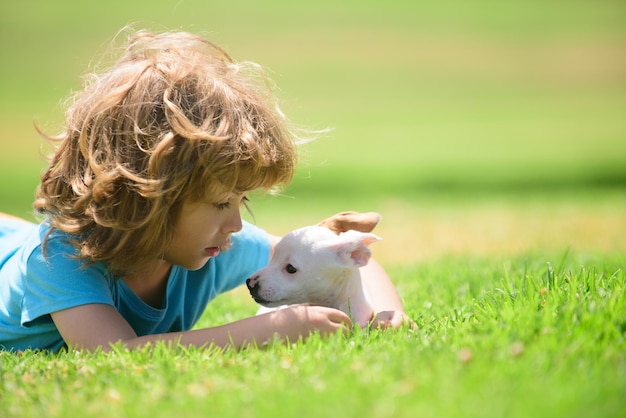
(345, 221)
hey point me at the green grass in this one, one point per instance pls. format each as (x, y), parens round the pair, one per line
(516, 338)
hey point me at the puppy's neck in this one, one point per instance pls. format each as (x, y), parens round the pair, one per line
(357, 305)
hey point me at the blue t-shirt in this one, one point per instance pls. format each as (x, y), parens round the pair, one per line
(32, 287)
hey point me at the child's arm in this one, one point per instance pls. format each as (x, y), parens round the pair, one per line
(384, 297)
(96, 325)
(380, 289)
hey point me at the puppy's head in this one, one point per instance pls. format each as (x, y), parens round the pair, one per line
(311, 265)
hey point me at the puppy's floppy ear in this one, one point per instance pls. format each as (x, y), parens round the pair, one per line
(346, 221)
(351, 247)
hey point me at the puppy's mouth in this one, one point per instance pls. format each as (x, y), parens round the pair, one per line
(268, 303)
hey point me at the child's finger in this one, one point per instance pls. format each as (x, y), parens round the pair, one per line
(345, 221)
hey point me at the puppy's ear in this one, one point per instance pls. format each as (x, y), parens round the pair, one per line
(346, 221)
(352, 248)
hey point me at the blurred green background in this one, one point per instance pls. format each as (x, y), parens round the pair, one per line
(443, 101)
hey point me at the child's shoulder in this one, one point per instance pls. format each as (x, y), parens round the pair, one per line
(20, 236)
(14, 233)
(10, 226)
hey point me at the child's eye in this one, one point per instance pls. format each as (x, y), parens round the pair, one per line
(228, 204)
(290, 269)
(222, 206)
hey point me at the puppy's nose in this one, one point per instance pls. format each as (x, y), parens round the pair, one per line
(252, 282)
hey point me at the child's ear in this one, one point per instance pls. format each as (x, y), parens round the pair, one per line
(351, 248)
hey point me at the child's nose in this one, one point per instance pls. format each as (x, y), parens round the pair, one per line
(233, 223)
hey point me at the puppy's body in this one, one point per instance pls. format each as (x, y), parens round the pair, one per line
(313, 265)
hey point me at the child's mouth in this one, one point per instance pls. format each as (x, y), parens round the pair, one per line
(215, 251)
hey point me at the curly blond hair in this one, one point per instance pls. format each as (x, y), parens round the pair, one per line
(173, 120)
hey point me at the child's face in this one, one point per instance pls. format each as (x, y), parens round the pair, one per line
(203, 230)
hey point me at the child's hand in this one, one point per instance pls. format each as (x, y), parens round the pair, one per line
(345, 221)
(299, 321)
(391, 319)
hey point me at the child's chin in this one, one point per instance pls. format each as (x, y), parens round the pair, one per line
(196, 265)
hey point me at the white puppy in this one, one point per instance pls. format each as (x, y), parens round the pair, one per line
(314, 265)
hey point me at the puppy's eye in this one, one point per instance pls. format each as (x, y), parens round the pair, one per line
(290, 269)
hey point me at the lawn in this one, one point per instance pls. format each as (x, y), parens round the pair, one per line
(497, 337)
(491, 138)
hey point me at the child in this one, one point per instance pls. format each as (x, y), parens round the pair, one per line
(141, 210)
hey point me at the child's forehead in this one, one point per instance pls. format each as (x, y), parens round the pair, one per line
(213, 195)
